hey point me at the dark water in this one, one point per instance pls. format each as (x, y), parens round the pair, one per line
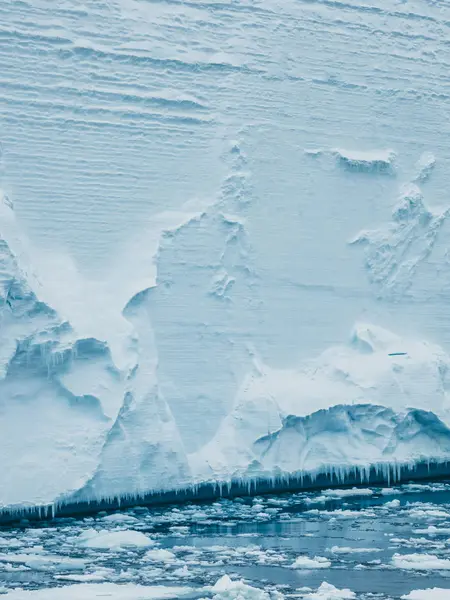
(377, 543)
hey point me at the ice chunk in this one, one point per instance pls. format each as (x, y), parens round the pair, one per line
(227, 589)
(349, 550)
(99, 590)
(420, 562)
(328, 592)
(345, 493)
(160, 555)
(119, 518)
(304, 562)
(367, 161)
(45, 562)
(113, 540)
(430, 594)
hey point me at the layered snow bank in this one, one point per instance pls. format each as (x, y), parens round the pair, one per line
(178, 312)
(79, 429)
(354, 406)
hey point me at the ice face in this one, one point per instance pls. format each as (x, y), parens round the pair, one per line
(227, 258)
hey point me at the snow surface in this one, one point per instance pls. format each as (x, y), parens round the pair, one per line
(223, 243)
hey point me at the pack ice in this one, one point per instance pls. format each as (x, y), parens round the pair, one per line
(224, 235)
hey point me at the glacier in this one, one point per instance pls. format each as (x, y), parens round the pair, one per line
(224, 247)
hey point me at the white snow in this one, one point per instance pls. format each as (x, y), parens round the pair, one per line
(113, 540)
(187, 295)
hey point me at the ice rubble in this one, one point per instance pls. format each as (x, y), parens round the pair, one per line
(97, 423)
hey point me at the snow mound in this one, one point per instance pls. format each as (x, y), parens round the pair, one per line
(370, 161)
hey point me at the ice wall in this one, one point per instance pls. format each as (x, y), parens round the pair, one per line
(230, 231)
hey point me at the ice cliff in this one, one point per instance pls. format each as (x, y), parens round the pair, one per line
(224, 243)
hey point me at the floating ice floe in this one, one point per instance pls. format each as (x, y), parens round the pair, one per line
(113, 540)
(92, 591)
(304, 562)
(45, 562)
(348, 550)
(328, 592)
(160, 555)
(420, 562)
(430, 594)
(227, 589)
